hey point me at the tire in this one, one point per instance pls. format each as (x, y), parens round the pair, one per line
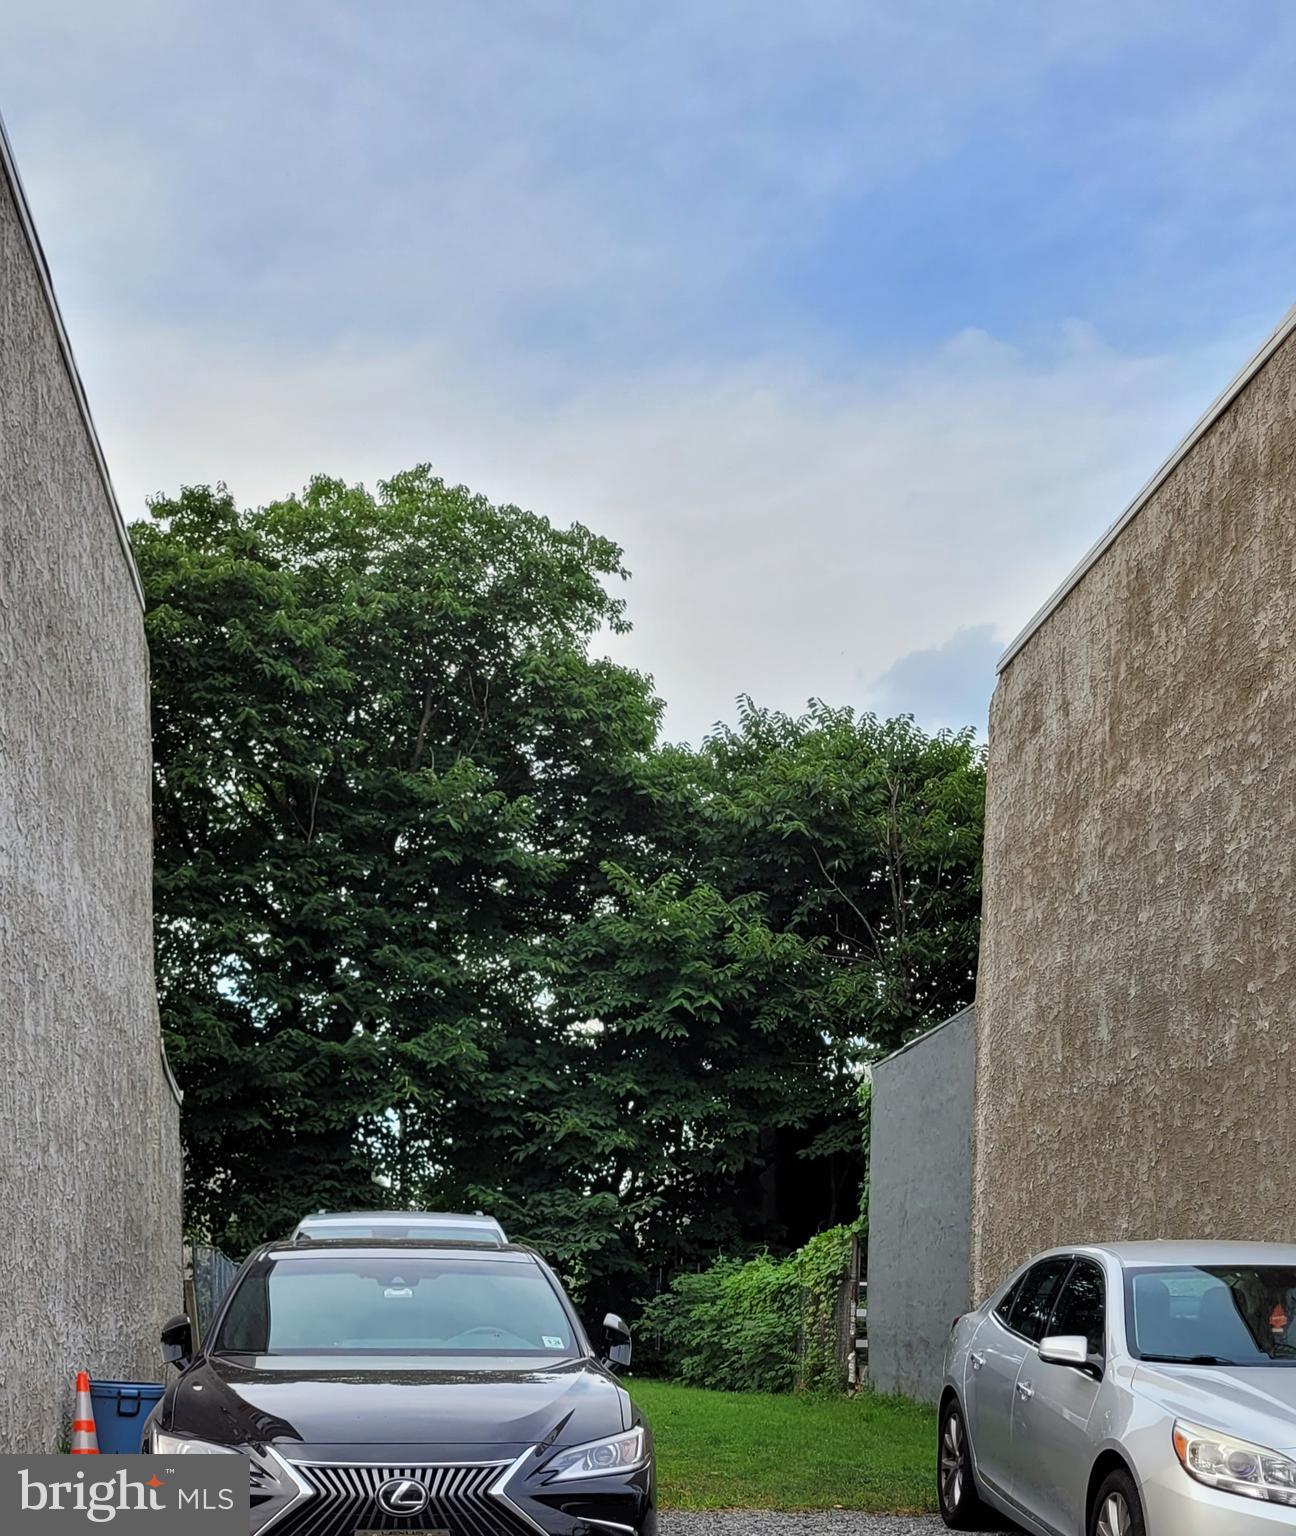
(960, 1504)
(1117, 1510)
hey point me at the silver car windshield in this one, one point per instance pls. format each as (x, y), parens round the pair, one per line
(402, 1305)
(1212, 1315)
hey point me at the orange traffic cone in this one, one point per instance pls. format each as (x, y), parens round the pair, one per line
(85, 1442)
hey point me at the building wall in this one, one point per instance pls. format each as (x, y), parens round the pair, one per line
(1137, 990)
(920, 1185)
(90, 1255)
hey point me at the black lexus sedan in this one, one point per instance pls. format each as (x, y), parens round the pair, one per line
(434, 1388)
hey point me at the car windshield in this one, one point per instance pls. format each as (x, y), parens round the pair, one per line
(397, 1305)
(1213, 1314)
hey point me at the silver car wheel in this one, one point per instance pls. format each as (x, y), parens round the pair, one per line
(951, 1463)
(1115, 1518)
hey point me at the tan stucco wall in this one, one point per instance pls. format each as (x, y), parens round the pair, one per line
(1137, 992)
(90, 1259)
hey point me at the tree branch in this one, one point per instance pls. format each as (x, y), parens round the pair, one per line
(424, 722)
(823, 870)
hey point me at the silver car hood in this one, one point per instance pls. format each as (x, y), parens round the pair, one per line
(1256, 1403)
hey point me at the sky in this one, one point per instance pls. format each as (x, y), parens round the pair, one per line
(855, 323)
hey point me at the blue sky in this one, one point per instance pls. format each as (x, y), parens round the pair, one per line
(855, 323)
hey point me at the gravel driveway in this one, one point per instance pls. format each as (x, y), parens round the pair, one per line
(827, 1522)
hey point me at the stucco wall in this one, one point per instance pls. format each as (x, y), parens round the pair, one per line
(920, 1188)
(89, 1155)
(1137, 997)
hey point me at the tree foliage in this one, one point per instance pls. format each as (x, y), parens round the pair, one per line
(440, 922)
(385, 761)
(809, 899)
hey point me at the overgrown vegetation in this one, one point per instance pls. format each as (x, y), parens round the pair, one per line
(440, 921)
(766, 1325)
(744, 1450)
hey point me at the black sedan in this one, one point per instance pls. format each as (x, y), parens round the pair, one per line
(429, 1388)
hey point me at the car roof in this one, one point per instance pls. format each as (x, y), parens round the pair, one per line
(452, 1225)
(381, 1247)
(1180, 1251)
(1168, 1251)
(468, 1219)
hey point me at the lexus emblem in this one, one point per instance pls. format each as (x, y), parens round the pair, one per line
(402, 1496)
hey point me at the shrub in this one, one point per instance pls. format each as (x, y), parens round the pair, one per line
(767, 1325)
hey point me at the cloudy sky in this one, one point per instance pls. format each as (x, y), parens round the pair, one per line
(855, 321)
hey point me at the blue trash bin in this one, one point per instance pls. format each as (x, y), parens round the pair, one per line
(120, 1408)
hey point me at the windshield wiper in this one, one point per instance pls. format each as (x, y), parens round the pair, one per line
(1191, 1360)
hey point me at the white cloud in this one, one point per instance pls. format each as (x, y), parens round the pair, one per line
(547, 247)
(790, 533)
(541, 177)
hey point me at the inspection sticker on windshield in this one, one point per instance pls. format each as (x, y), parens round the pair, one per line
(129, 1495)
(551, 1343)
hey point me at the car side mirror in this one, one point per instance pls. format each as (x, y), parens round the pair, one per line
(177, 1342)
(1066, 1349)
(617, 1346)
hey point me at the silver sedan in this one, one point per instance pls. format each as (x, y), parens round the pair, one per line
(1131, 1389)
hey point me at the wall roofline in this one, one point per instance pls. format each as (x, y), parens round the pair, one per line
(1203, 425)
(924, 1037)
(9, 167)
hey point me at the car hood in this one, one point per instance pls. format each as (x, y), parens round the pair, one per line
(466, 1409)
(1256, 1403)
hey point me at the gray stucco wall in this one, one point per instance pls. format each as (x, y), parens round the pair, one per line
(90, 1255)
(1137, 989)
(920, 1188)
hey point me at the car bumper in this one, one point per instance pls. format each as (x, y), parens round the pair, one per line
(336, 1497)
(1175, 1505)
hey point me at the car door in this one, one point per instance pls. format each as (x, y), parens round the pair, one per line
(995, 1359)
(1054, 1403)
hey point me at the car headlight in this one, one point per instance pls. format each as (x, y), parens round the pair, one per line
(273, 1486)
(1236, 1466)
(600, 1458)
(178, 1445)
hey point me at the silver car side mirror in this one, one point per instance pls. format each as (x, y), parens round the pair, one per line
(1065, 1349)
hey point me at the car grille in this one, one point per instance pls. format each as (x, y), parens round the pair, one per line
(344, 1499)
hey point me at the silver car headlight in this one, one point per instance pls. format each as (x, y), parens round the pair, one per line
(1235, 1466)
(600, 1458)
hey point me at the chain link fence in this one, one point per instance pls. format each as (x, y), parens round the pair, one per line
(208, 1275)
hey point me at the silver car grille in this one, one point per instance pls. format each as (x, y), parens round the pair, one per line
(343, 1499)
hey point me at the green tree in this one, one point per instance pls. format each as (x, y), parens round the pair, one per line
(387, 769)
(440, 923)
(865, 834)
(808, 899)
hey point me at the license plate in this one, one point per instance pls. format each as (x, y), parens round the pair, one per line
(439, 1531)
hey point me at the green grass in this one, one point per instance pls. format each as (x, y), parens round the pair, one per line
(749, 1450)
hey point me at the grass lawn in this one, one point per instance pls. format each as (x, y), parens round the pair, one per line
(748, 1450)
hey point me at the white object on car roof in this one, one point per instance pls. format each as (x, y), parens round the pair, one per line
(420, 1226)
